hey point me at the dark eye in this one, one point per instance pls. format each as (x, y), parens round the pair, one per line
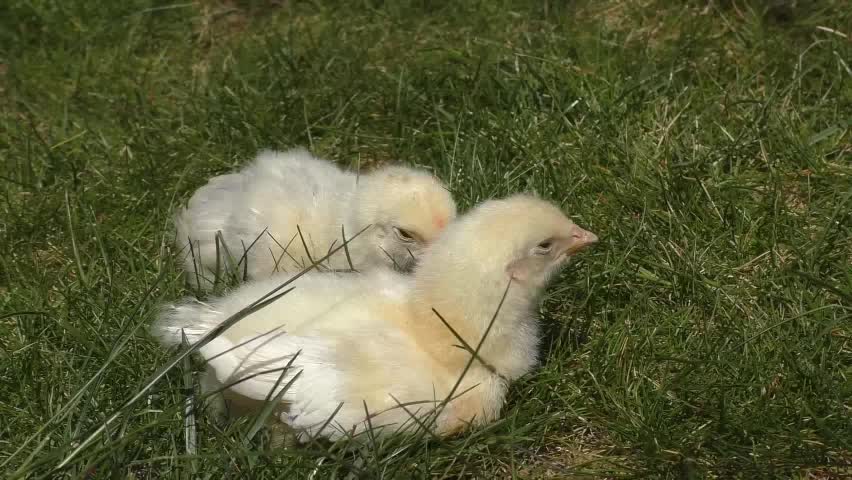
(404, 235)
(544, 247)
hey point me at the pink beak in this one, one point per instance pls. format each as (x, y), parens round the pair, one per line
(579, 239)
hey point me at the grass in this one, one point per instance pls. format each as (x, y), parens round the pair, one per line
(708, 143)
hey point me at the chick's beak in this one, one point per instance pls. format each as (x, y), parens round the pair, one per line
(579, 239)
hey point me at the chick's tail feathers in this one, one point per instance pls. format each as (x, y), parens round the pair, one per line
(191, 317)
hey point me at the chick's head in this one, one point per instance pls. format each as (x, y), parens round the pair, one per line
(543, 241)
(407, 209)
(520, 237)
(496, 258)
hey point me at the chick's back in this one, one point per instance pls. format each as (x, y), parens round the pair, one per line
(258, 209)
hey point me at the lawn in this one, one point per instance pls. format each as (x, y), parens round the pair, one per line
(708, 334)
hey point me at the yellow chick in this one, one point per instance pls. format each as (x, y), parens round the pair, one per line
(374, 339)
(286, 210)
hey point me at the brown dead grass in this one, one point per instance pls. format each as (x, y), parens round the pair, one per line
(584, 453)
(644, 22)
(220, 20)
(219, 23)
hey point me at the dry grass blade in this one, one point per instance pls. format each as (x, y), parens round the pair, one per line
(466, 346)
(475, 352)
(346, 248)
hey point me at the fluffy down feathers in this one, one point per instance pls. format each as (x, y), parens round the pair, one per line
(373, 339)
(261, 210)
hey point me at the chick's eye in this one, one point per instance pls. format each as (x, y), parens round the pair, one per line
(544, 247)
(404, 235)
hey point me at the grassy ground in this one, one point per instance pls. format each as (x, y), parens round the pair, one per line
(708, 143)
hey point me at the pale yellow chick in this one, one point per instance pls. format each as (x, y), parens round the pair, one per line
(374, 339)
(261, 210)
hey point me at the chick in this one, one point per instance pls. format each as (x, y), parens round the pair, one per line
(288, 209)
(372, 341)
